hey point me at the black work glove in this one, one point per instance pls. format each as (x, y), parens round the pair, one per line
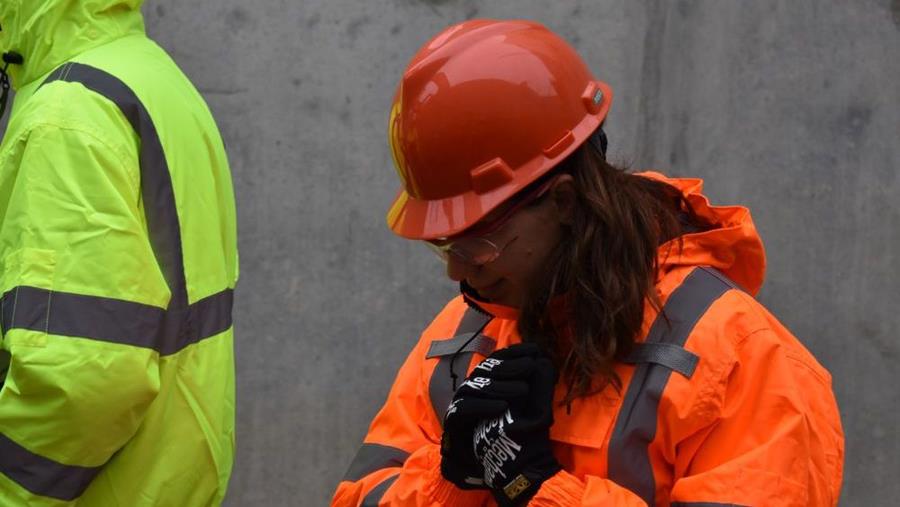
(496, 384)
(514, 449)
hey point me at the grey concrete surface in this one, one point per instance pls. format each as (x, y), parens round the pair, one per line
(788, 107)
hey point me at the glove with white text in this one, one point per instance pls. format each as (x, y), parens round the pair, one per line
(514, 449)
(496, 384)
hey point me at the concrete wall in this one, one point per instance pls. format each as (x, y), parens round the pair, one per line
(788, 107)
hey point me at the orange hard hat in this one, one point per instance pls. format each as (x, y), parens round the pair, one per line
(483, 109)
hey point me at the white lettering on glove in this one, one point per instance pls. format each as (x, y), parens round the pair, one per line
(452, 408)
(489, 364)
(477, 383)
(498, 448)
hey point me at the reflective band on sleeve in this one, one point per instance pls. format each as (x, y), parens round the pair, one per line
(374, 457)
(113, 320)
(481, 344)
(43, 476)
(671, 356)
(704, 504)
(375, 496)
(78, 315)
(440, 387)
(629, 459)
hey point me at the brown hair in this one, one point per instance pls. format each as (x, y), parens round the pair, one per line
(605, 267)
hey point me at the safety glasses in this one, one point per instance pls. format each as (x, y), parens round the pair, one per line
(475, 247)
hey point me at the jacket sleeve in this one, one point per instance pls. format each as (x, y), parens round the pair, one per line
(775, 439)
(75, 261)
(399, 461)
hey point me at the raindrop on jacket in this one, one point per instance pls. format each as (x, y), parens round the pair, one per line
(117, 263)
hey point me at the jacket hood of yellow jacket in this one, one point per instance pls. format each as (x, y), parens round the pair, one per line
(49, 32)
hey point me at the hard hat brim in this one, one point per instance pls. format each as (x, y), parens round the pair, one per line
(422, 219)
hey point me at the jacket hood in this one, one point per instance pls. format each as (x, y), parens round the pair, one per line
(49, 32)
(732, 246)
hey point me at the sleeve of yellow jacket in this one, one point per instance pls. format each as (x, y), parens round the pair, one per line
(399, 461)
(72, 224)
(773, 437)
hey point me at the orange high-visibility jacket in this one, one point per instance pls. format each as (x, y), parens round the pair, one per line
(721, 406)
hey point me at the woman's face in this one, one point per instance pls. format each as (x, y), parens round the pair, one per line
(526, 241)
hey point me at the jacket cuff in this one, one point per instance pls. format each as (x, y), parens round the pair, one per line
(561, 490)
(444, 492)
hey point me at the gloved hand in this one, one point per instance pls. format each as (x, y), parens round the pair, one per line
(514, 449)
(496, 384)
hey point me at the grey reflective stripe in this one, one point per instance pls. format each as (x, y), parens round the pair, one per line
(704, 504)
(671, 356)
(481, 344)
(156, 182)
(440, 387)
(375, 496)
(724, 279)
(113, 320)
(629, 459)
(374, 457)
(43, 476)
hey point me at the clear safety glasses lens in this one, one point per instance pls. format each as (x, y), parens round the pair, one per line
(473, 251)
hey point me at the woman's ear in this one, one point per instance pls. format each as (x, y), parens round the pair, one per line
(563, 197)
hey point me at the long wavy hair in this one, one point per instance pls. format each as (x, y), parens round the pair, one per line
(604, 268)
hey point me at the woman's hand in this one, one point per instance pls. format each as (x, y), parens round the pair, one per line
(514, 449)
(496, 385)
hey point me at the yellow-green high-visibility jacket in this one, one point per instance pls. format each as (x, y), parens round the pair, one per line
(118, 260)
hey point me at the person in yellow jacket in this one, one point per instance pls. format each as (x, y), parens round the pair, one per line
(606, 349)
(118, 261)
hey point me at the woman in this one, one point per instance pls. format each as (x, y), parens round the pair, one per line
(606, 348)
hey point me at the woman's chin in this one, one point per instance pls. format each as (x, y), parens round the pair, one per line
(506, 299)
